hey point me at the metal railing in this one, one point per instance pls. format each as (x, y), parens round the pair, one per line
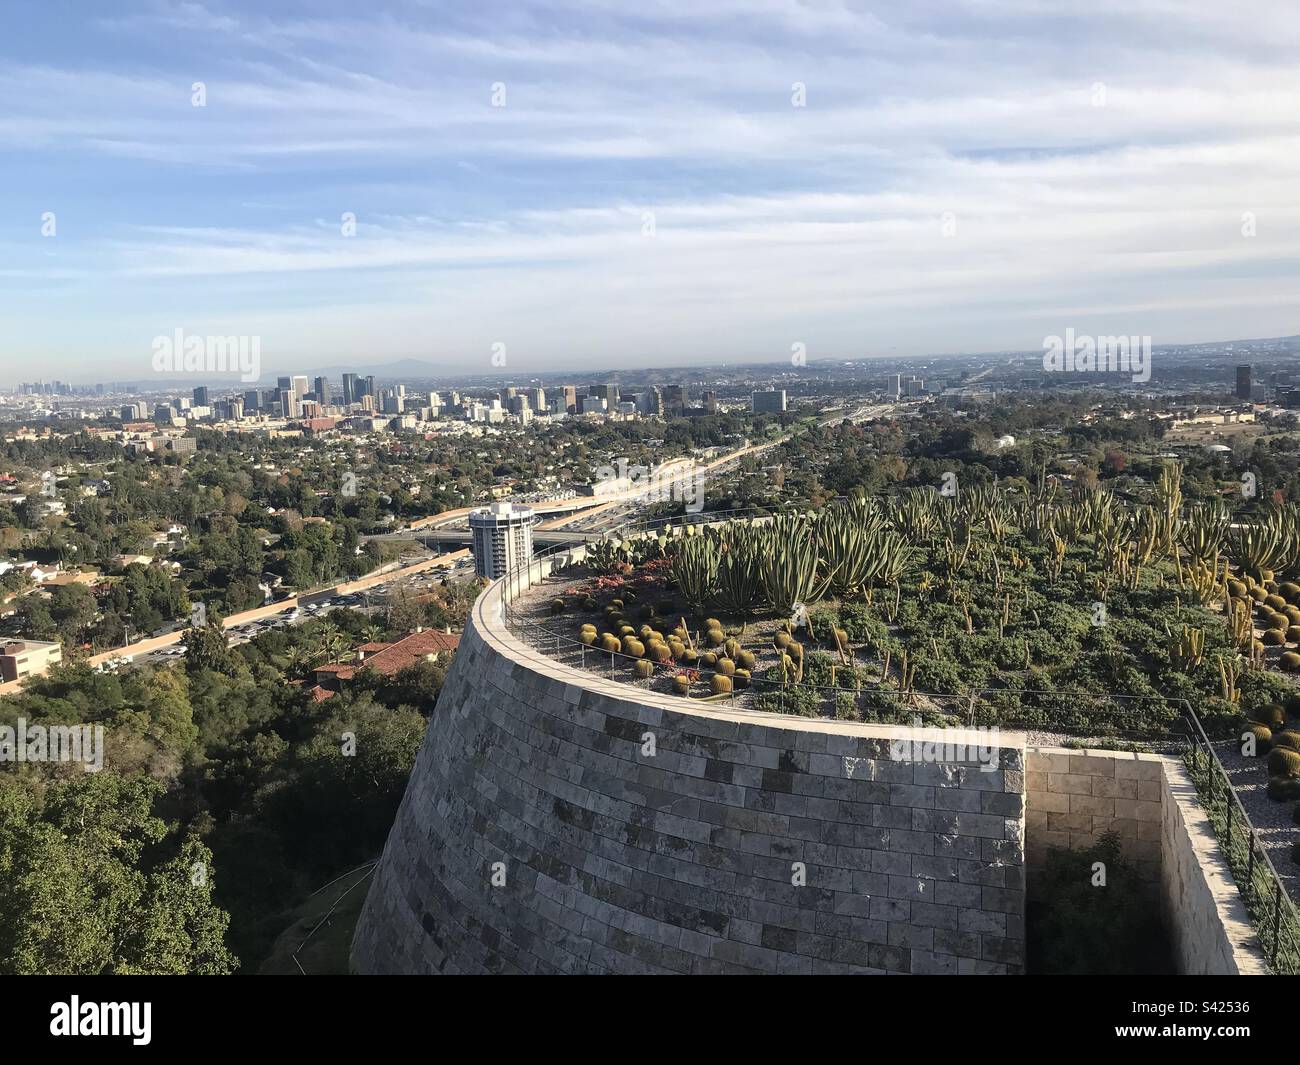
(1271, 907)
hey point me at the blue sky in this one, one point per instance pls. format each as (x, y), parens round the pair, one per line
(961, 178)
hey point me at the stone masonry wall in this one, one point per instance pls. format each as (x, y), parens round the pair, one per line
(536, 835)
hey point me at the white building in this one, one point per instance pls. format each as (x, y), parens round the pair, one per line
(502, 537)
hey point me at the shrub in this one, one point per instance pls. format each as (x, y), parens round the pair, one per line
(1284, 762)
(720, 685)
(861, 625)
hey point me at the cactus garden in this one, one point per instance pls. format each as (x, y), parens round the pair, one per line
(1064, 613)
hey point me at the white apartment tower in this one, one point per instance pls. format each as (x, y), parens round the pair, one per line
(503, 538)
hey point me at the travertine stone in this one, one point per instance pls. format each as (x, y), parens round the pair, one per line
(749, 842)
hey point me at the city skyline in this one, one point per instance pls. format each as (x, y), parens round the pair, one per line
(569, 187)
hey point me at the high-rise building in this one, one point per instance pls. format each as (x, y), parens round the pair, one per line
(351, 389)
(502, 538)
(300, 386)
(322, 391)
(1243, 382)
(710, 401)
(289, 407)
(370, 386)
(571, 399)
(201, 397)
(894, 385)
(252, 400)
(674, 398)
(770, 402)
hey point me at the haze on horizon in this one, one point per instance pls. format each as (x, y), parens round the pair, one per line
(685, 184)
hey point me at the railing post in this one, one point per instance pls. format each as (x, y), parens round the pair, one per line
(1277, 916)
(1250, 866)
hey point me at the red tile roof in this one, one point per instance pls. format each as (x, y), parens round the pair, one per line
(411, 649)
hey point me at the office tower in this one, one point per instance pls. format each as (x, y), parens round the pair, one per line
(651, 403)
(1243, 382)
(201, 397)
(300, 386)
(675, 398)
(236, 409)
(607, 392)
(592, 405)
(322, 391)
(537, 398)
(770, 402)
(289, 403)
(502, 538)
(351, 389)
(370, 386)
(710, 401)
(282, 383)
(894, 385)
(571, 399)
(252, 401)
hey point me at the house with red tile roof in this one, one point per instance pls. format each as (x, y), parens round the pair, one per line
(425, 645)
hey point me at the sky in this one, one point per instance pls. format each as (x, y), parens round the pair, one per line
(600, 184)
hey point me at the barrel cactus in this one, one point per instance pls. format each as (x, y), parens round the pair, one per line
(1283, 788)
(557, 606)
(732, 647)
(726, 667)
(1287, 738)
(644, 670)
(741, 679)
(609, 642)
(632, 646)
(1271, 715)
(1283, 762)
(1263, 737)
(715, 637)
(709, 659)
(681, 684)
(589, 603)
(1275, 601)
(587, 638)
(1290, 662)
(1290, 591)
(1273, 638)
(720, 685)
(746, 660)
(782, 640)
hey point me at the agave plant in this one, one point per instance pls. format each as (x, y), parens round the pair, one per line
(741, 545)
(695, 569)
(792, 569)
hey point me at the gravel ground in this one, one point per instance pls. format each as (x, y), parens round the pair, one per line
(1272, 820)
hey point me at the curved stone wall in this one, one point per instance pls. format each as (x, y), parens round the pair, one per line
(557, 822)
